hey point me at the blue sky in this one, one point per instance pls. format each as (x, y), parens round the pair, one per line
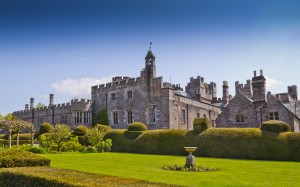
(63, 47)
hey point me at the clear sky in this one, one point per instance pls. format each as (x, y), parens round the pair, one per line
(65, 46)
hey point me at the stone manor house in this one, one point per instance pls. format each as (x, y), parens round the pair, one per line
(148, 99)
(162, 105)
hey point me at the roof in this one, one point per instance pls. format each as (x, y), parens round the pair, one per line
(150, 55)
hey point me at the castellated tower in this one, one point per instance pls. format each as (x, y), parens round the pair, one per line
(150, 68)
(259, 87)
(293, 92)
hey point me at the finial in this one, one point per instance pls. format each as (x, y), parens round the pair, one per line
(150, 46)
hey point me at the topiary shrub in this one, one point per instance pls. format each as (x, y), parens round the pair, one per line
(275, 126)
(201, 124)
(102, 127)
(137, 126)
(133, 134)
(80, 130)
(45, 128)
(21, 158)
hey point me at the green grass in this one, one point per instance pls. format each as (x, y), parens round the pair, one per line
(148, 167)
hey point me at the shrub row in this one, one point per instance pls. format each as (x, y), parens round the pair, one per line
(214, 142)
(46, 176)
(21, 158)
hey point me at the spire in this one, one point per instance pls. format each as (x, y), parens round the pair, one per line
(150, 55)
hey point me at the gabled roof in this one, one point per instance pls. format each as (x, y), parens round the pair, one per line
(150, 55)
(288, 106)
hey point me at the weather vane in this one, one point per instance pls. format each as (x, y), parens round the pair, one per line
(150, 46)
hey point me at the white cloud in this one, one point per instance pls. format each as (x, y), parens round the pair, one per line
(78, 88)
(272, 83)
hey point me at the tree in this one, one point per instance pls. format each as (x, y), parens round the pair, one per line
(101, 117)
(95, 138)
(1, 117)
(40, 105)
(60, 134)
(12, 123)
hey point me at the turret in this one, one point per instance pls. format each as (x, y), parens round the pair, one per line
(150, 65)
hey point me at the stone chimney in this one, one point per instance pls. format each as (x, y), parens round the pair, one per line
(225, 92)
(26, 106)
(51, 99)
(31, 103)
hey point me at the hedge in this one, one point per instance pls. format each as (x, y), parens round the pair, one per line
(240, 143)
(80, 130)
(275, 126)
(21, 158)
(56, 177)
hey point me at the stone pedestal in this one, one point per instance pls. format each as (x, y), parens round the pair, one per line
(190, 159)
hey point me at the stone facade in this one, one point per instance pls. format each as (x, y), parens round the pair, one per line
(251, 106)
(158, 104)
(77, 112)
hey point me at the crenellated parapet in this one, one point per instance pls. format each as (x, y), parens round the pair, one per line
(116, 81)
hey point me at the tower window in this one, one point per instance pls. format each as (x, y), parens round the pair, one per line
(115, 118)
(273, 116)
(113, 96)
(129, 116)
(129, 94)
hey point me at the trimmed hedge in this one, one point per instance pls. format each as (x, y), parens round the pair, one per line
(137, 126)
(80, 130)
(241, 143)
(56, 177)
(102, 127)
(45, 128)
(201, 124)
(21, 158)
(275, 126)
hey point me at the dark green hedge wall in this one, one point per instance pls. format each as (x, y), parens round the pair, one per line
(215, 142)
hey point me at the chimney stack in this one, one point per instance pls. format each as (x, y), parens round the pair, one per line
(26, 106)
(254, 73)
(261, 72)
(31, 103)
(51, 100)
(225, 92)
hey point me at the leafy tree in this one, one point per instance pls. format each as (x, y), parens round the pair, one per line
(60, 135)
(101, 117)
(1, 117)
(11, 123)
(95, 138)
(40, 105)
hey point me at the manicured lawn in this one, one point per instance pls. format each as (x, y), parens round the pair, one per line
(148, 167)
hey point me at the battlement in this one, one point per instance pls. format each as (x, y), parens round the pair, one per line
(175, 86)
(245, 89)
(117, 81)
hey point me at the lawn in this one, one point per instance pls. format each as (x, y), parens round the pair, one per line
(148, 167)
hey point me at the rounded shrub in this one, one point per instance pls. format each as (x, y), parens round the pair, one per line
(45, 128)
(80, 130)
(275, 126)
(102, 127)
(132, 134)
(137, 126)
(201, 124)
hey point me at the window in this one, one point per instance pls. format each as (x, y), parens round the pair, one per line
(129, 116)
(198, 115)
(152, 116)
(183, 116)
(113, 96)
(129, 94)
(273, 116)
(40, 121)
(63, 119)
(86, 117)
(115, 118)
(204, 115)
(240, 118)
(78, 117)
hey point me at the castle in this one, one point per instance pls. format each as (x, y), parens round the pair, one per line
(162, 105)
(158, 104)
(252, 105)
